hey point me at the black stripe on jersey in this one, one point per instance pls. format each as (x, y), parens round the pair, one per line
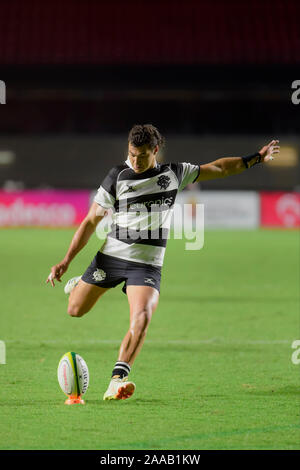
(197, 174)
(161, 201)
(110, 181)
(178, 170)
(157, 237)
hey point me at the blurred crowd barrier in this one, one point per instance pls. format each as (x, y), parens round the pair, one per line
(82, 162)
(222, 209)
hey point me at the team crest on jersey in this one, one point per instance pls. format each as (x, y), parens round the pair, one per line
(99, 275)
(163, 181)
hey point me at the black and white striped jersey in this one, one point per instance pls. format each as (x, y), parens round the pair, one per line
(142, 206)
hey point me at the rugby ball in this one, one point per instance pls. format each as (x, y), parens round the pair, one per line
(73, 374)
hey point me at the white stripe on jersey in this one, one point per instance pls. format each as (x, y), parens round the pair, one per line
(104, 198)
(146, 254)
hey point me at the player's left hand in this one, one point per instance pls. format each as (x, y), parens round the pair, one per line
(268, 151)
(56, 272)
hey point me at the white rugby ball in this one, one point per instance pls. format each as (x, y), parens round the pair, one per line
(73, 374)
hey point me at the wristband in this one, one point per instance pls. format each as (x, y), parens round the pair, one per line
(248, 159)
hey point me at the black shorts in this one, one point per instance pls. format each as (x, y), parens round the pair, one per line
(108, 271)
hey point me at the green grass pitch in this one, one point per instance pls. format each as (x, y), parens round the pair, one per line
(215, 371)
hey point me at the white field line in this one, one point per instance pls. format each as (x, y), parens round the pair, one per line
(216, 341)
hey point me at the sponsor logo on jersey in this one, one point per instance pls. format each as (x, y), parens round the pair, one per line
(129, 189)
(164, 201)
(99, 275)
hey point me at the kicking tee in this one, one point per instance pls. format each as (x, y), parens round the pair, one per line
(142, 206)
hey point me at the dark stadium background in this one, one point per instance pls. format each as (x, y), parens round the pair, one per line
(215, 77)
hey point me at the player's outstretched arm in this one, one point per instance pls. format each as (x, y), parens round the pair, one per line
(228, 166)
(79, 240)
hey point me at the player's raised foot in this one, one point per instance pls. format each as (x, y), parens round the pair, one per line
(119, 389)
(71, 284)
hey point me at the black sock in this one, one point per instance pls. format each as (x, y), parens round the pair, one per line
(121, 369)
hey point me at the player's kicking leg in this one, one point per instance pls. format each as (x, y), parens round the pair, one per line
(143, 301)
(83, 297)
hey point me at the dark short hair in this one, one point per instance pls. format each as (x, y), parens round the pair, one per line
(145, 134)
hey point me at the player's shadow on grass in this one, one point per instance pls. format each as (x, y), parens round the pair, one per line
(131, 402)
(60, 403)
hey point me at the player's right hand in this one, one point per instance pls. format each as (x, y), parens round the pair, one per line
(56, 272)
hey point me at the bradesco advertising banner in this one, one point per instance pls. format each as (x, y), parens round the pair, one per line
(50, 208)
(280, 209)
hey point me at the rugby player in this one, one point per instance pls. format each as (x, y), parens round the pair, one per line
(130, 253)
